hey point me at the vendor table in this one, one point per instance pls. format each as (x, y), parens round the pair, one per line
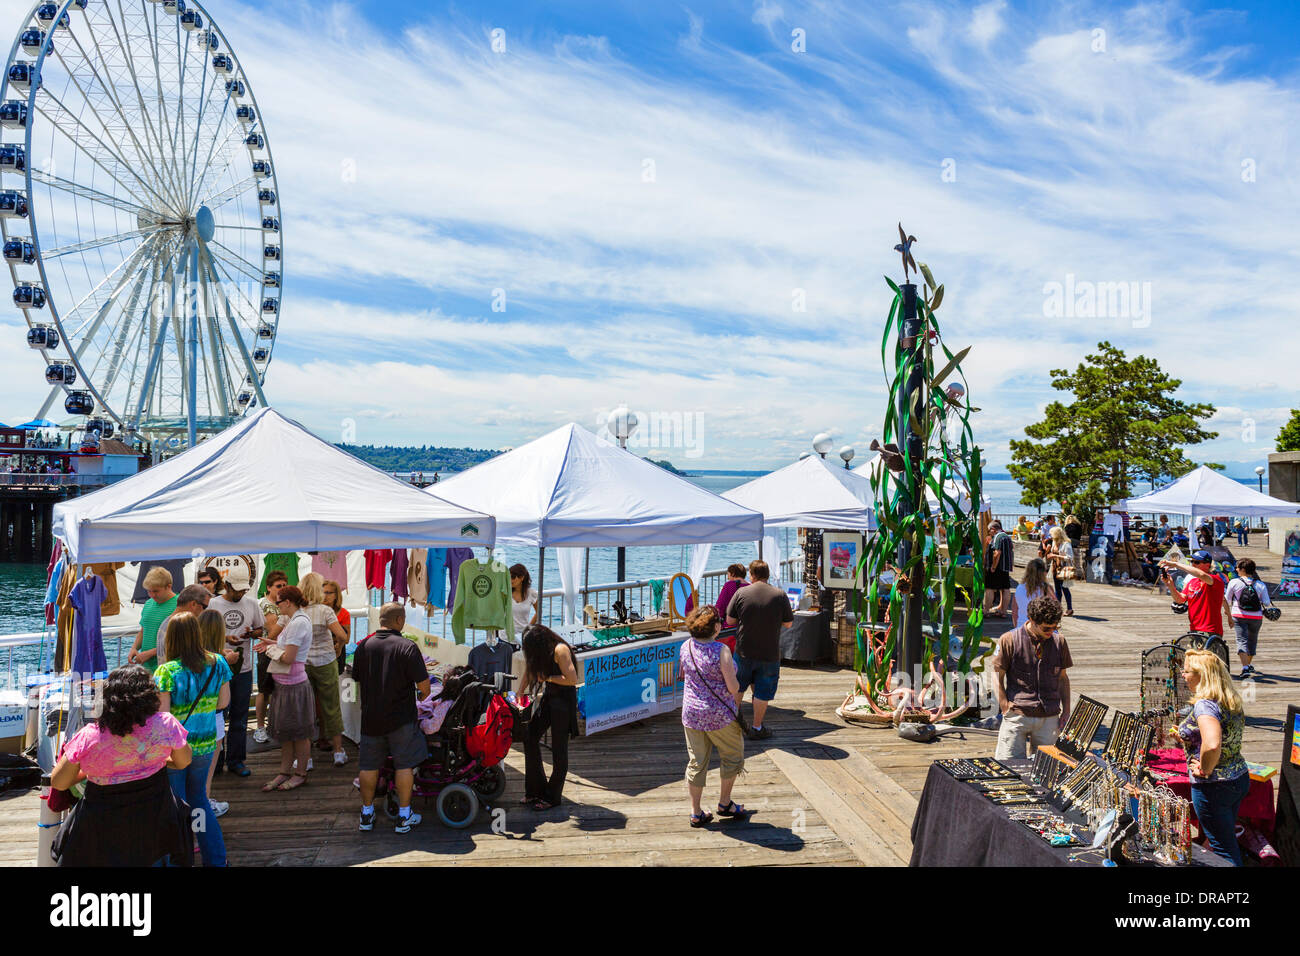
(1257, 810)
(629, 682)
(808, 639)
(956, 826)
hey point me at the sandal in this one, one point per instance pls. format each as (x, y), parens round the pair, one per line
(540, 805)
(528, 801)
(733, 809)
(280, 779)
(290, 785)
(700, 819)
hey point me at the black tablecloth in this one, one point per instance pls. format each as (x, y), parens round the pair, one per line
(808, 638)
(956, 826)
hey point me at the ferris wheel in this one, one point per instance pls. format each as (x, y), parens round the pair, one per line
(140, 216)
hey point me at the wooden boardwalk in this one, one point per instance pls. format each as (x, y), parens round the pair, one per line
(826, 793)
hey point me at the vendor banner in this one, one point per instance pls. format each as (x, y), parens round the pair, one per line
(628, 683)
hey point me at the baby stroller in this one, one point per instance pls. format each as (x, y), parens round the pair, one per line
(463, 772)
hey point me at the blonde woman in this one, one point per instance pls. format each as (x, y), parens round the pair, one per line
(212, 632)
(334, 598)
(1211, 735)
(327, 636)
(1033, 585)
(1061, 556)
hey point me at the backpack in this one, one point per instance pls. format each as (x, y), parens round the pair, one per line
(489, 740)
(1248, 598)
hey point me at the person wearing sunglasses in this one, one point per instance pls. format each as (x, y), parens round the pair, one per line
(193, 599)
(1032, 685)
(1202, 592)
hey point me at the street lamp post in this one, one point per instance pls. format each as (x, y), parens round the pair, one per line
(847, 453)
(1259, 475)
(822, 443)
(622, 423)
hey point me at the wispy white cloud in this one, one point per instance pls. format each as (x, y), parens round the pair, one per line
(768, 173)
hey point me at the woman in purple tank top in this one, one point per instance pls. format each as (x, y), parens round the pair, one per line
(710, 705)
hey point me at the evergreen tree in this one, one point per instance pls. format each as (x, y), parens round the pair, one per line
(1123, 426)
(1288, 439)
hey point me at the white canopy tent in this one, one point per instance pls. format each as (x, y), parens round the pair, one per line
(263, 485)
(571, 489)
(955, 489)
(1203, 491)
(812, 493)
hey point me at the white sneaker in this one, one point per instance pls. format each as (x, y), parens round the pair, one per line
(219, 807)
(261, 736)
(340, 759)
(404, 824)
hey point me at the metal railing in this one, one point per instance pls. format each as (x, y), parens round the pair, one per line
(27, 479)
(639, 598)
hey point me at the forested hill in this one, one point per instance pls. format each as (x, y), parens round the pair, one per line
(431, 458)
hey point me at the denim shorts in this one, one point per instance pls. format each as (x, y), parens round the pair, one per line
(762, 674)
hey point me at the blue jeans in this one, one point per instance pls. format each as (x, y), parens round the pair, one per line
(1216, 803)
(191, 785)
(241, 689)
(1058, 585)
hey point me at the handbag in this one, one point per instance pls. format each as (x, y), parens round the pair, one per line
(744, 729)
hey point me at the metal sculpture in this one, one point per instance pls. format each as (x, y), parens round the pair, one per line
(928, 499)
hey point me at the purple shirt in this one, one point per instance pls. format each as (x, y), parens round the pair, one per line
(706, 702)
(88, 646)
(724, 598)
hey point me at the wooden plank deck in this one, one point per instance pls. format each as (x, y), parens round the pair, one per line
(826, 793)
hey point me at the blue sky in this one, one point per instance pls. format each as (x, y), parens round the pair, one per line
(653, 188)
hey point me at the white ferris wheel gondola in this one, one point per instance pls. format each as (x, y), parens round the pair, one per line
(137, 244)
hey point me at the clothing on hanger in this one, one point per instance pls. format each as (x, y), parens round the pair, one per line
(174, 566)
(286, 561)
(487, 661)
(52, 592)
(400, 561)
(417, 577)
(108, 574)
(377, 567)
(63, 627)
(483, 599)
(454, 558)
(86, 597)
(332, 566)
(436, 566)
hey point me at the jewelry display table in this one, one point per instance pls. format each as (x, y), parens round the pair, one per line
(956, 826)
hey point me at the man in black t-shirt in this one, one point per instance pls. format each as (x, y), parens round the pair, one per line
(761, 611)
(390, 673)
